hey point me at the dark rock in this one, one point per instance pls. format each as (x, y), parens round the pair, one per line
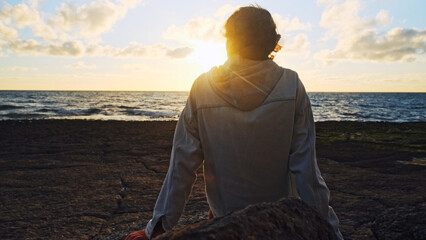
(77, 179)
(288, 218)
(404, 222)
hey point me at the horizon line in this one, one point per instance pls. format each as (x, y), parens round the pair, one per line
(43, 90)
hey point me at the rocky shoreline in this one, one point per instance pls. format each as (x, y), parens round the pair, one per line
(77, 179)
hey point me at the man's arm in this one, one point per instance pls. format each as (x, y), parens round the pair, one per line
(186, 158)
(303, 164)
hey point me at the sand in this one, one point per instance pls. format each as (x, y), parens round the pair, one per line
(76, 179)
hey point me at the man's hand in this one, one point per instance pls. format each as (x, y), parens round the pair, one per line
(210, 215)
(138, 235)
(141, 235)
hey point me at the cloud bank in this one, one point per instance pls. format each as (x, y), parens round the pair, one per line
(364, 39)
(73, 31)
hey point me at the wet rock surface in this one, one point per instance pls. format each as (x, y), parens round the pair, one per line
(75, 179)
(284, 219)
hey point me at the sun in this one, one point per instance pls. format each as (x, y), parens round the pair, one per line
(208, 54)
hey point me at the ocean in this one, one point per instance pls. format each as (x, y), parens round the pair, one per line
(154, 106)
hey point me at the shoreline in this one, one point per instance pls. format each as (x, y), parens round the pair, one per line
(99, 179)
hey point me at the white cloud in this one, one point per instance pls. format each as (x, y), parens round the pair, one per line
(202, 29)
(81, 65)
(327, 2)
(360, 39)
(22, 69)
(76, 48)
(21, 16)
(205, 29)
(180, 52)
(285, 25)
(90, 19)
(131, 3)
(33, 3)
(72, 48)
(382, 18)
(73, 31)
(210, 28)
(33, 47)
(69, 22)
(7, 33)
(298, 44)
(134, 49)
(225, 10)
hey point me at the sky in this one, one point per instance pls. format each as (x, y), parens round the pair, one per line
(163, 45)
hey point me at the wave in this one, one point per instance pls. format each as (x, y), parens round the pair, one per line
(151, 114)
(124, 107)
(77, 112)
(22, 116)
(9, 107)
(44, 110)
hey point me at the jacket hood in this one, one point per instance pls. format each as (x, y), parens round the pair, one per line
(245, 83)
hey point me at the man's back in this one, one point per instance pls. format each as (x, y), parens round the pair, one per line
(246, 152)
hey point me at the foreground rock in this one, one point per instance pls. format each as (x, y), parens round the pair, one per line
(284, 219)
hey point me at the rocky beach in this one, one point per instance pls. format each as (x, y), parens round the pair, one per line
(78, 179)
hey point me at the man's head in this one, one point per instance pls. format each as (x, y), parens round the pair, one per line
(251, 33)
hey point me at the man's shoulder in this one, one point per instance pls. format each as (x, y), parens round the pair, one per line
(290, 72)
(202, 81)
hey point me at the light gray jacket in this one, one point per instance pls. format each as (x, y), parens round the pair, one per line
(250, 124)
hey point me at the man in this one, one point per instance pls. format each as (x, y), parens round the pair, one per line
(249, 122)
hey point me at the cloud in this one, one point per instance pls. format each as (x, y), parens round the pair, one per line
(7, 33)
(180, 52)
(285, 25)
(382, 18)
(69, 22)
(298, 44)
(21, 16)
(210, 29)
(90, 19)
(202, 29)
(327, 2)
(205, 29)
(131, 3)
(361, 39)
(225, 11)
(133, 49)
(76, 48)
(33, 47)
(22, 69)
(73, 31)
(81, 65)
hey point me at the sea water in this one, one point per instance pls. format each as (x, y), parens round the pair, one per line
(153, 106)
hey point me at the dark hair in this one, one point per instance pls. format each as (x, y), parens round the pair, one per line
(251, 32)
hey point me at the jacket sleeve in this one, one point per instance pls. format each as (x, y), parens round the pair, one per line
(186, 158)
(311, 187)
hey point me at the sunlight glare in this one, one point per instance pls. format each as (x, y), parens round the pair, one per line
(208, 55)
